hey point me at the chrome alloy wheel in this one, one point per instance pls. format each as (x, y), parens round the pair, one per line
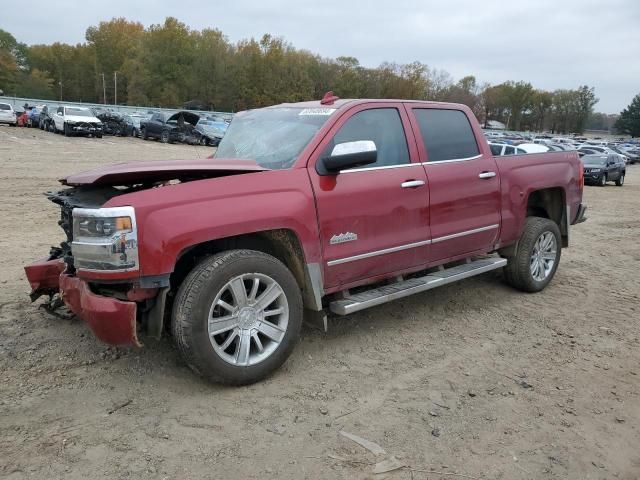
(543, 257)
(248, 319)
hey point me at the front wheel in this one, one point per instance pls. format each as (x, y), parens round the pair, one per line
(165, 136)
(237, 316)
(603, 180)
(537, 256)
(620, 181)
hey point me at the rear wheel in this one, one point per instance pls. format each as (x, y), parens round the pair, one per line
(620, 181)
(537, 256)
(237, 316)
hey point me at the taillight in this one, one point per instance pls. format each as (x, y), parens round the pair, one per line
(581, 178)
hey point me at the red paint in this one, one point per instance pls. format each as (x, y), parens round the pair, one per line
(43, 275)
(112, 321)
(162, 170)
(173, 218)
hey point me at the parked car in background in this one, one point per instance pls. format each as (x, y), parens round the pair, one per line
(179, 127)
(533, 148)
(34, 116)
(631, 155)
(212, 130)
(115, 123)
(76, 121)
(46, 121)
(501, 149)
(7, 114)
(135, 119)
(600, 169)
(22, 117)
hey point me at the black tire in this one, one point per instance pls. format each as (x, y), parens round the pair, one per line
(98, 135)
(143, 132)
(165, 136)
(517, 273)
(603, 180)
(193, 303)
(67, 131)
(620, 181)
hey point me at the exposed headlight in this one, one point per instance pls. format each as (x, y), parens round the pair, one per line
(105, 238)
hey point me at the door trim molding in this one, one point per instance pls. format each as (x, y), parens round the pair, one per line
(407, 246)
(464, 233)
(375, 253)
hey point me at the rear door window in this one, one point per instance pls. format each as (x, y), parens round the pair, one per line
(509, 150)
(496, 149)
(447, 134)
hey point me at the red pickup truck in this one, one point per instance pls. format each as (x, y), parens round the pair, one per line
(333, 205)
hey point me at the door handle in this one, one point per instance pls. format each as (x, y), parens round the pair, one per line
(486, 175)
(412, 184)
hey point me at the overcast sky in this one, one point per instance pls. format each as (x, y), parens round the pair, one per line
(550, 43)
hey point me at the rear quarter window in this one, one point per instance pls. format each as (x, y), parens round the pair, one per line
(4, 106)
(447, 134)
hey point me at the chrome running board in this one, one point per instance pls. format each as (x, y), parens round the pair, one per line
(377, 296)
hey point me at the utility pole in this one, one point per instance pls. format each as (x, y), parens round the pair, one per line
(115, 88)
(60, 83)
(104, 91)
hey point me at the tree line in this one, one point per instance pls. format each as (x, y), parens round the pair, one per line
(171, 65)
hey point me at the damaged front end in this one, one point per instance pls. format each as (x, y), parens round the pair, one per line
(95, 270)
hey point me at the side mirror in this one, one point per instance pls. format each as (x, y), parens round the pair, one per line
(348, 155)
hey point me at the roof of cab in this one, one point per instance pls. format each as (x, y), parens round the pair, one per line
(353, 101)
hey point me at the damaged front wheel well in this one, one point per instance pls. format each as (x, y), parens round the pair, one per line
(283, 244)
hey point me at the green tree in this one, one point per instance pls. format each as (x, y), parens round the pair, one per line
(112, 43)
(541, 103)
(519, 96)
(585, 101)
(629, 121)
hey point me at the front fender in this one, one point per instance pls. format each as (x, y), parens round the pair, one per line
(172, 219)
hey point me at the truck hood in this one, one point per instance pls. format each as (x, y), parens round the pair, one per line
(148, 172)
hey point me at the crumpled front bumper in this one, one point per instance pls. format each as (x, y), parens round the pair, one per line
(85, 128)
(113, 321)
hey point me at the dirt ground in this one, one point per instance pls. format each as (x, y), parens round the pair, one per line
(472, 380)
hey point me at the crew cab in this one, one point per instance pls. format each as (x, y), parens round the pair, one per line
(76, 121)
(333, 205)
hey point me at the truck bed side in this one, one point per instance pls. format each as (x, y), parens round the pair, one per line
(522, 175)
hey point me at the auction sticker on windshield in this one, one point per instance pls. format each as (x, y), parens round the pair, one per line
(317, 111)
